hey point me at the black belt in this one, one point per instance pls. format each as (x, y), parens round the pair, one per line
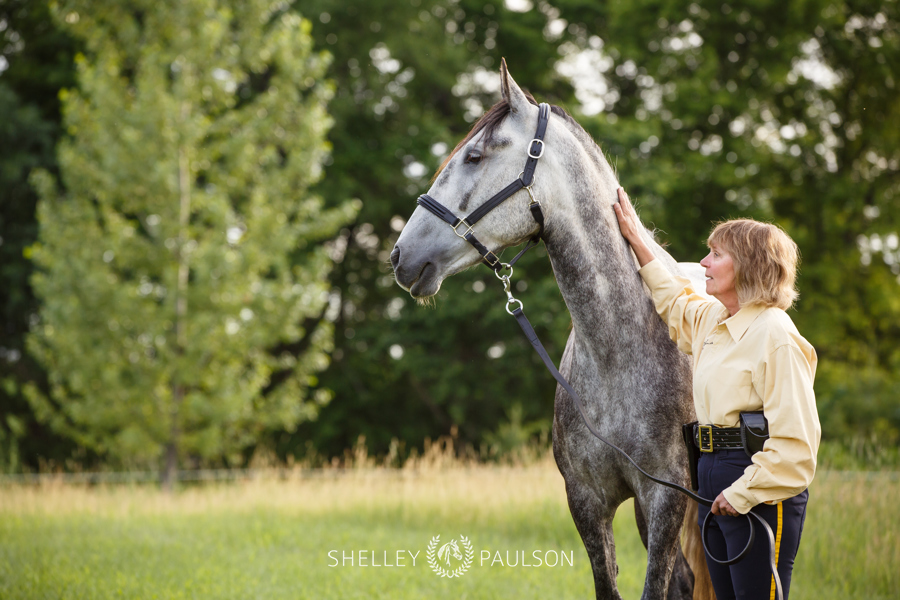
(710, 438)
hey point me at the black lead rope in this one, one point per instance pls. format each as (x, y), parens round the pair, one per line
(526, 181)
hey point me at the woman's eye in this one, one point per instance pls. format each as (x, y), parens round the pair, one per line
(473, 157)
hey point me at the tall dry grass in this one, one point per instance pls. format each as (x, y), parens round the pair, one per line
(430, 481)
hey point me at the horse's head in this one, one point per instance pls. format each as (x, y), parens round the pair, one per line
(487, 160)
(448, 549)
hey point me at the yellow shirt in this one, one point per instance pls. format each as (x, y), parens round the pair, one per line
(754, 360)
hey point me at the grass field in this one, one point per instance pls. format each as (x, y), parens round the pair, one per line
(271, 539)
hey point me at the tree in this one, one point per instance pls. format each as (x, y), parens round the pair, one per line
(35, 61)
(181, 272)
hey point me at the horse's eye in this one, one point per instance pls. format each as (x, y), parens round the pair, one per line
(473, 157)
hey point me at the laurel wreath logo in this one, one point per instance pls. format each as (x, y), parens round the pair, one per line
(435, 555)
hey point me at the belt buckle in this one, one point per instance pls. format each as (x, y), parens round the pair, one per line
(708, 430)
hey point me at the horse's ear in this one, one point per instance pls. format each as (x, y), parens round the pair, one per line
(510, 90)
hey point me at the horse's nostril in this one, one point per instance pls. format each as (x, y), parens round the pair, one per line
(395, 257)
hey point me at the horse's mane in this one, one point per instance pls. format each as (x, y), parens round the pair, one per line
(489, 123)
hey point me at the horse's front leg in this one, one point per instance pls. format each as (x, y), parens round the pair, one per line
(659, 513)
(593, 519)
(681, 584)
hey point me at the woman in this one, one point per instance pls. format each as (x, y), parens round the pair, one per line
(747, 356)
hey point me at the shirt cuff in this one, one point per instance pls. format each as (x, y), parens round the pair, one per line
(740, 497)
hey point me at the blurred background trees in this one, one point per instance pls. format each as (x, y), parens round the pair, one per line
(39, 61)
(708, 110)
(182, 287)
(787, 113)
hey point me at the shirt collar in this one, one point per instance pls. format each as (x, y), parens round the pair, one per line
(739, 323)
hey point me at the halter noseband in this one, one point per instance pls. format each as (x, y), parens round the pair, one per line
(525, 180)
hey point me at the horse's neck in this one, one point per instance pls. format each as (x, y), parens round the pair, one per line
(598, 280)
(596, 271)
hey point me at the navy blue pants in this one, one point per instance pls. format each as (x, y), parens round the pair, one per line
(751, 578)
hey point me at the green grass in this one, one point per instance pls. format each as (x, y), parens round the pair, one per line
(270, 539)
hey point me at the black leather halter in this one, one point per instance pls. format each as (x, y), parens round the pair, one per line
(525, 180)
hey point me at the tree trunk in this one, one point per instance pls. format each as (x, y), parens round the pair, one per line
(170, 469)
(169, 473)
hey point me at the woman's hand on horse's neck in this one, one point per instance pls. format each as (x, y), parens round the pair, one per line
(631, 228)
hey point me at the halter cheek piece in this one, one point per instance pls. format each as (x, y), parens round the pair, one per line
(464, 227)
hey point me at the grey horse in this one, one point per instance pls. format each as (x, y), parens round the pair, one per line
(634, 381)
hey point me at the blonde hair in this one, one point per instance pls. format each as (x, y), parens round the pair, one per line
(765, 261)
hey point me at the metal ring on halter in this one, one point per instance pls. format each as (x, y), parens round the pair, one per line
(513, 301)
(466, 232)
(528, 187)
(503, 266)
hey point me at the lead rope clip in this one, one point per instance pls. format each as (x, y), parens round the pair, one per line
(507, 284)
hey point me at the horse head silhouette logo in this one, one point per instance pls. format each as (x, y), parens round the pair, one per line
(451, 551)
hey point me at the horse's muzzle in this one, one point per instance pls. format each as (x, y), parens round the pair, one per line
(419, 279)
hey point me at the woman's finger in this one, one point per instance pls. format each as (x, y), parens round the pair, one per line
(625, 224)
(624, 211)
(623, 197)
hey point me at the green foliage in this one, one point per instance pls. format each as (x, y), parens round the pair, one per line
(860, 403)
(181, 273)
(785, 113)
(708, 110)
(875, 453)
(37, 58)
(33, 138)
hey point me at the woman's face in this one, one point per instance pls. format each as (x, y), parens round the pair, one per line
(719, 275)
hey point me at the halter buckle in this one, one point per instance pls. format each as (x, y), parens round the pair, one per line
(531, 145)
(489, 263)
(466, 232)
